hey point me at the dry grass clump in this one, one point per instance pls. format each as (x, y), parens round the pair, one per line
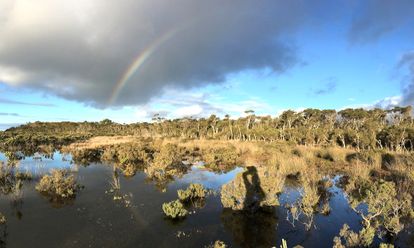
(174, 209)
(58, 184)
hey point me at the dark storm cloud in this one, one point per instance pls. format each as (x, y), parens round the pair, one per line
(375, 18)
(80, 49)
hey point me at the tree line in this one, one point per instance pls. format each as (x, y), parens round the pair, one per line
(355, 128)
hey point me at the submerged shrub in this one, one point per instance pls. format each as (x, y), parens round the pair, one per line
(384, 245)
(174, 209)
(59, 183)
(86, 156)
(2, 219)
(219, 244)
(194, 191)
(11, 180)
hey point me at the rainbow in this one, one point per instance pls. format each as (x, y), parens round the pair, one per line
(138, 62)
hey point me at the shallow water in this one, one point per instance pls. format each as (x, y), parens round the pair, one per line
(95, 219)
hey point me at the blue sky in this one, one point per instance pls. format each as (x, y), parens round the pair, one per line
(332, 68)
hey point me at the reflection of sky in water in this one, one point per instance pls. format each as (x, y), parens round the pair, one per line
(39, 164)
(199, 174)
(95, 218)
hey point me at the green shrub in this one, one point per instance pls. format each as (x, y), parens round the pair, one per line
(174, 209)
(384, 245)
(221, 158)
(59, 183)
(352, 239)
(194, 191)
(219, 244)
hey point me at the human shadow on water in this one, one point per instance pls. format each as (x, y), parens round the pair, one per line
(251, 230)
(254, 225)
(254, 192)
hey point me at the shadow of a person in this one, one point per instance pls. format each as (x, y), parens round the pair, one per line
(254, 192)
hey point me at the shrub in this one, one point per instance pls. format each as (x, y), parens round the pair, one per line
(86, 156)
(217, 244)
(194, 191)
(2, 219)
(221, 158)
(168, 155)
(326, 155)
(59, 183)
(388, 160)
(352, 239)
(384, 245)
(174, 209)
(388, 206)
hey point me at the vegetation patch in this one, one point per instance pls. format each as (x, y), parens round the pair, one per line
(221, 158)
(174, 209)
(254, 189)
(193, 192)
(60, 183)
(349, 238)
(3, 219)
(86, 156)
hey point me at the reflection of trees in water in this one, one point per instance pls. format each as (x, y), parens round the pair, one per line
(251, 229)
(11, 184)
(115, 189)
(3, 236)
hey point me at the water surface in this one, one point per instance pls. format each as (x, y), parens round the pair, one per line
(95, 219)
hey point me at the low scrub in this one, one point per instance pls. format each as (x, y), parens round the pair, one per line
(2, 219)
(86, 156)
(193, 192)
(59, 184)
(174, 209)
(349, 238)
(221, 158)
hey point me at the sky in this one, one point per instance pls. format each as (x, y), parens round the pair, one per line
(77, 60)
